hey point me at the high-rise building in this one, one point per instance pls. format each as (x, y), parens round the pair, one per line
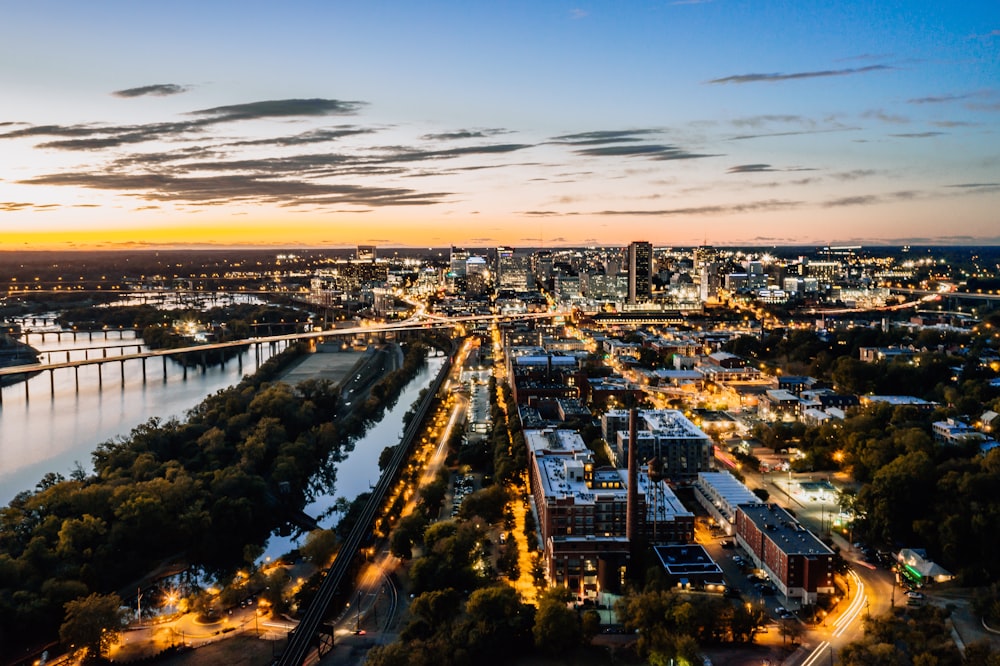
(513, 271)
(640, 272)
(366, 253)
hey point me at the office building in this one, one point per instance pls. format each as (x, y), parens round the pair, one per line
(640, 272)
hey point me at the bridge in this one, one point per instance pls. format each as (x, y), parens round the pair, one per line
(205, 351)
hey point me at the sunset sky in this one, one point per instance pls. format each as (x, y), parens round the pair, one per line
(328, 123)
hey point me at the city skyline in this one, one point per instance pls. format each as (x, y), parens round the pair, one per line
(574, 123)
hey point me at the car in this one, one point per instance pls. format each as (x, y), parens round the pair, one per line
(915, 595)
(780, 610)
(738, 559)
(787, 615)
(728, 543)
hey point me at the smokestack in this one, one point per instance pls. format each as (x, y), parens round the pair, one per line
(632, 506)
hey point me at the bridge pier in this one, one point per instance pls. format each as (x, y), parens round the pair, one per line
(164, 369)
(123, 373)
(76, 373)
(100, 376)
(143, 369)
(52, 382)
(27, 396)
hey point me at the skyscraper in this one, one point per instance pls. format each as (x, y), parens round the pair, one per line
(640, 272)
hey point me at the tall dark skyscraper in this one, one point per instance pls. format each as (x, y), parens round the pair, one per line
(640, 272)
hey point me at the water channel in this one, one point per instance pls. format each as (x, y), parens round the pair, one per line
(358, 472)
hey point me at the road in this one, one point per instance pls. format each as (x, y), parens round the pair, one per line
(871, 590)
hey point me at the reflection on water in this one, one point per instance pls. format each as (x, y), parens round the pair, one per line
(359, 472)
(51, 432)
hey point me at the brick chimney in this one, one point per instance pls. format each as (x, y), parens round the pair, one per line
(632, 506)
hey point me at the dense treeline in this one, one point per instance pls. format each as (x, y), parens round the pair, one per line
(912, 490)
(672, 625)
(237, 316)
(913, 636)
(208, 491)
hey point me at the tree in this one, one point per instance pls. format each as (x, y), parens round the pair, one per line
(557, 628)
(320, 546)
(92, 623)
(591, 624)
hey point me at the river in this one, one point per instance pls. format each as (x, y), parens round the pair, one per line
(49, 433)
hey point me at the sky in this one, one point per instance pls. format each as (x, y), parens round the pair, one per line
(333, 123)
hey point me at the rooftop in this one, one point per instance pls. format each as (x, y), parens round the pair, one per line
(784, 531)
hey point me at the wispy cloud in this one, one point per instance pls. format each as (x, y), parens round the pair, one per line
(98, 137)
(879, 114)
(577, 13)
(754, 206)
(764, 135)
(11, 206)
(871, 199)
(976, 186)
(767, 119)
(158, 90)
(463, 134)
(652, 151)
(770, 78)
(216, 190)
(939, 99)
(750, 168)
(280, 108)
(917, 135)
(986, 35)
(601, 137)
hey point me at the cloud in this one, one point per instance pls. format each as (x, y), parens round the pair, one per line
(917, 135)
(953, 123)
(398, 154)
(578, 13)
(770, 78)
(544, 213)
(870, 199)
(601, 137)
(983, 187)
(750, 168)
(754, 206)
(763, 135)
(99, 137)
(652, 151)
(462, 134)
(855, 174)
(879, 114)
(690, 2)
(312, 136)
(11, 206)
(159, 90)
(280, 108)
(939, 99)
(221, 189)
(766, 119)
